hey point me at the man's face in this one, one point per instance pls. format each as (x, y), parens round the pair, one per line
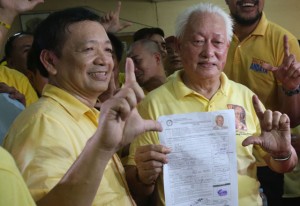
(85, 65)
(174, 59)
(238, 113)
(203, 47)
(161, 43)
(245, 12)
(146, 66)
(220, 121)
(20, 48)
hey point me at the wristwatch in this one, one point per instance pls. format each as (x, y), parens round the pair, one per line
(291, 92)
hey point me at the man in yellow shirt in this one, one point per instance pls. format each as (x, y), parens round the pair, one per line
(204, 32)
(255, 43)
(20, 82)
(13, 190)
(148, 63)
(64, 150)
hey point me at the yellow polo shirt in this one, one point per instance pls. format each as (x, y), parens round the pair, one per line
(244, 60)
(292, 179)
(264, 45)
(174, 98)
(19, 81)
(47, 138)
(13, 190)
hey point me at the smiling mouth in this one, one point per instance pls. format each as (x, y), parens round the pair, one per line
(99, 76)
(247, 4)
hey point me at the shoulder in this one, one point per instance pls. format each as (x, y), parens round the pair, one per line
(279, 31)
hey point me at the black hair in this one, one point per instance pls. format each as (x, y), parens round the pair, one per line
(51, 33)
(117, 45)
(146, 33)
(9, 43)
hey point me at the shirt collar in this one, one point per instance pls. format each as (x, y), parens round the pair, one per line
(261, 28)
(75, 107)
(181, 90)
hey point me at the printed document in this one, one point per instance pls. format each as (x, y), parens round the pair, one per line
(202, 167)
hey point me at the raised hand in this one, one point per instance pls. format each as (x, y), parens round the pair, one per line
(9, 9)
(119, 121)
(18, 6)
(288, 73)
(275, 137)
(111, 20)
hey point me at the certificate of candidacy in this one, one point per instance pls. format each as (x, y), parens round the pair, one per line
(202, 167)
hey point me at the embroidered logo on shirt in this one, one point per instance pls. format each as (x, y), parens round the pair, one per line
(240, 117)
(256, 66)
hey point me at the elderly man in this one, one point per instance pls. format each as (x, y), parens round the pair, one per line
(65, 152)
(204, 33)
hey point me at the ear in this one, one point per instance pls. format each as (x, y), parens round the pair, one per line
(158, 57)
(48, 59)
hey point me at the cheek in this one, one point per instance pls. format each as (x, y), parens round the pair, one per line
(222, 56)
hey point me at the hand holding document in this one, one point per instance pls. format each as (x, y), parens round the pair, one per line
(202, 167)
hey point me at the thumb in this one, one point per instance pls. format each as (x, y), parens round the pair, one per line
(152, 125)
(269, 67)
(252, 140)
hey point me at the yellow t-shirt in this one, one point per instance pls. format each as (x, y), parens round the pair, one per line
(292, 179)
(13, 190)
(264, 45)
(174, 98)
(48, 137)
(19, 81)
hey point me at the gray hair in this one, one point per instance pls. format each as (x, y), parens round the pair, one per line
(148, 45)
(183, 18)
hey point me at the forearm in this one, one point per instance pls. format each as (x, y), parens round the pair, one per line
(81, 182)
(140, 191)
(282, 166)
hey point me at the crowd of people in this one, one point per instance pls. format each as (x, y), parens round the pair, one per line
(79, 131)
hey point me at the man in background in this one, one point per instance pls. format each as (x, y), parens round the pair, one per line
(257, 45)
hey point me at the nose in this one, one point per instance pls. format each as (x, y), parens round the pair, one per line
(103, 57)
(208, 50)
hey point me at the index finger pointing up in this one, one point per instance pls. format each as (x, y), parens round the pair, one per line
(118, 9)
(257, 107)
(129, 72)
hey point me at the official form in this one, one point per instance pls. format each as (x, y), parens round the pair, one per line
(202, 167)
